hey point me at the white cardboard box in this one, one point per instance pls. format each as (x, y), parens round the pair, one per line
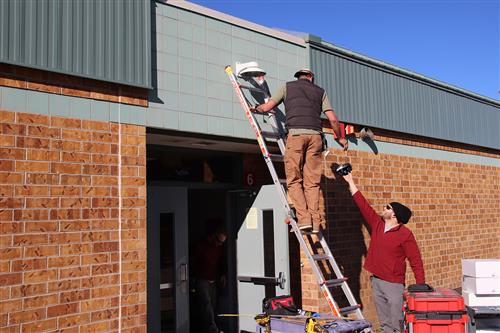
(481, 285)
(481, 267)
(471, 299)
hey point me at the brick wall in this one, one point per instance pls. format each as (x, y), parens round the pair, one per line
(72, 258)
(455, 209)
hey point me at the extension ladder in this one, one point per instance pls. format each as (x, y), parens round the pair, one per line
(314, 259)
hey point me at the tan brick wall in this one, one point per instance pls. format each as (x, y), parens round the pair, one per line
(72, 258)
(455, 209)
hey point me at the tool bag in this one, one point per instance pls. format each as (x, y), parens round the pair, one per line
(315, 325)
(280, 305)
(345, 326)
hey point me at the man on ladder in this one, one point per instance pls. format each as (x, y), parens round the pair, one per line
(304, 102)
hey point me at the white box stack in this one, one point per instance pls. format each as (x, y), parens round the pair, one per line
(481, 292)
(481, 282)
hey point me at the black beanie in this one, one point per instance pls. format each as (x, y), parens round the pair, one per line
(402, 212)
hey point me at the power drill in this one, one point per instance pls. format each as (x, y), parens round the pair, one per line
(343, 169)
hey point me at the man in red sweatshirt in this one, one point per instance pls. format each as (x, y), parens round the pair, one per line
(390, 245)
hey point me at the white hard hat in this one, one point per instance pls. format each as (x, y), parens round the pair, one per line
(248, 68)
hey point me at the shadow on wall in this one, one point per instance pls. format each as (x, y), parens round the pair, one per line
(371, 144)
(344, 235)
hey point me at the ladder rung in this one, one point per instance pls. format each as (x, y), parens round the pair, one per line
(309, 233)
(335, 282)
(277, 158)
(349, 309)
(319, 257)
(270, 135)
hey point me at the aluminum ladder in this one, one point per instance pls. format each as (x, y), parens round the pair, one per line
(314, 259)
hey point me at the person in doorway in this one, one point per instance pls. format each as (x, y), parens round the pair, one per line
(208, 262)
(390, 245)
(304, 102)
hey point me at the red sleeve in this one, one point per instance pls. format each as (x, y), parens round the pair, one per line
(369, 214)
(412, 252)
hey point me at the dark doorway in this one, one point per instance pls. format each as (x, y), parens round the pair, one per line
(208, 212)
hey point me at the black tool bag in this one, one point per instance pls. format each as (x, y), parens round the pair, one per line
(280, 305)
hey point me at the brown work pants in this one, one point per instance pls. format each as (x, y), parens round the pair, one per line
(303, 175)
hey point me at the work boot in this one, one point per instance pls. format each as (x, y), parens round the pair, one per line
(318, 226)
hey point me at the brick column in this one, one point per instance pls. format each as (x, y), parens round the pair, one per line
(70, 254)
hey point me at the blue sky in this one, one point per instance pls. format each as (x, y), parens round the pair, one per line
(454, 41)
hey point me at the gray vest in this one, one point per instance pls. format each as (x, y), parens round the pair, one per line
(303, 103)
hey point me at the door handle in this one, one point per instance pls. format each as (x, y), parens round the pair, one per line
(265, 280)
(183, 272)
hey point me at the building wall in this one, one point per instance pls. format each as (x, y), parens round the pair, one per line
(73, 224)
(190, 52)
(73, 256)
(454, 201)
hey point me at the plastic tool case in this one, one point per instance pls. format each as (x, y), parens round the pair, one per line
(438, 311)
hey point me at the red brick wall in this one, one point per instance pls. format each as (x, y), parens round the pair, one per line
(455, 209)
(71, 258)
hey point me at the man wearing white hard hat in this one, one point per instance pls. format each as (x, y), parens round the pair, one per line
(251, 72)
(304, 102)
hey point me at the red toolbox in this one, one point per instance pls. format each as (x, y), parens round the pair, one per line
(438, 311)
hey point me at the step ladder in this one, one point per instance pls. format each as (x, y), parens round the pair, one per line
(314, 259)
